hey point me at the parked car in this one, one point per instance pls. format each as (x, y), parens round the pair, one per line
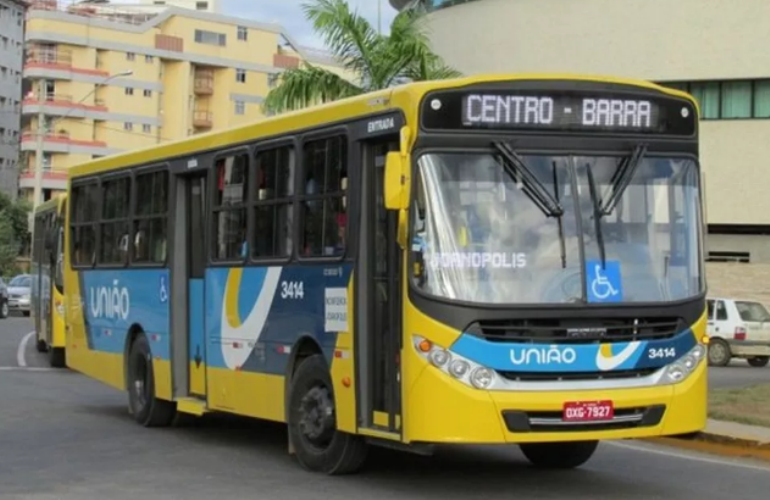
(738, 329)
(3, 299)
(19, 291)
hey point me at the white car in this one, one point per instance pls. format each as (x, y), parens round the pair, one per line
(738, 329)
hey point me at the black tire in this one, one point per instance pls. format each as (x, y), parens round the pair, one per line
(719, 353)
(41, 346)
(567, 455)
(759, 361)
(57, 357)
(4, 310)
(147, 410)
(321, 448)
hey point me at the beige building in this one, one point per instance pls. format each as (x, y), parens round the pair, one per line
(716, 50)
(103, 78)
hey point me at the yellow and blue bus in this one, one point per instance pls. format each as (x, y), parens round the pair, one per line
(47, 277)
(493, 259)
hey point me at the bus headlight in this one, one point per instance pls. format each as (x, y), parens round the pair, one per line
(454, 365)
(683, 368)
(482, 378)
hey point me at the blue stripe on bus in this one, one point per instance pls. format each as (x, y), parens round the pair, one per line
(115, 300)
(552, 358)
(271, 309)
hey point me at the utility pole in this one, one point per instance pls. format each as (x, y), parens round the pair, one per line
(42, 98)
(379, 17)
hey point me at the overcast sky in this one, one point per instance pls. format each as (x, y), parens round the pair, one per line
(289, 14)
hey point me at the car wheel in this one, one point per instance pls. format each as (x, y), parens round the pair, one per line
(758, 361)
(4, 311)
(719, 353)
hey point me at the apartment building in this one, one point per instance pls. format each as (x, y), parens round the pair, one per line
(107, 78)
(11, 59)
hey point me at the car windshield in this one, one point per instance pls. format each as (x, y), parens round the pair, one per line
(482, 233)
(20, 281)
(752, 311)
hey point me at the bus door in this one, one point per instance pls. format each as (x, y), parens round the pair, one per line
(188, 284)
(378, 298)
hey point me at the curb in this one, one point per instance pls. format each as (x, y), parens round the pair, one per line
(719, 444)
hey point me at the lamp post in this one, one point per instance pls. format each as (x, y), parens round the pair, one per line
(42, 130)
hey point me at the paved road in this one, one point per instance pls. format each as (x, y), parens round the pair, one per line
(738, 374)
(67, 437)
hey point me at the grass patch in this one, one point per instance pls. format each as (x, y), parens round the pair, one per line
(749, 405)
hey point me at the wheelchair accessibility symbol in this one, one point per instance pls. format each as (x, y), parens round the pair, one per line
(604, 281)
(163, 290)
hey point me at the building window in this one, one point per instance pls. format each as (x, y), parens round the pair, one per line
(272, 79)
(240, 107)
(762, 99)
(150, 231)
(323, 206)
(128, 126)
(243, 33)
(230, 208)
(210, 38)
(147, 93)
(736, 99)
(130, 56)
(148, 59)
(201, 6)
(146, 128)
(273, 208)
(116, 203)
(129, 91)
(240, 75)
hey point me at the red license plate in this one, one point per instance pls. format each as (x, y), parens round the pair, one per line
(587, 411)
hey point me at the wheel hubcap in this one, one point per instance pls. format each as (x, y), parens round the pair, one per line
(716, 352)
(316, 417)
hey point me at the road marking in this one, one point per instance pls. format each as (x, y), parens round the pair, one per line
(21, 353)
(683, 456)
(27, 369)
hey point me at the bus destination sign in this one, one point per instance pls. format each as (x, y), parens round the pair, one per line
(568, 112)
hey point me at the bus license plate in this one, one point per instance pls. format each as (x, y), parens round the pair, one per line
(586, 411)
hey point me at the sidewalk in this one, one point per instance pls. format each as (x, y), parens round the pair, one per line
(734, 433)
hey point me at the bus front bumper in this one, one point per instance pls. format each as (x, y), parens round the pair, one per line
(443, 410)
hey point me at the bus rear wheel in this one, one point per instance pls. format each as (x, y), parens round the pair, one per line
(147, 409)
(57, 357)
(318, 445)
(758, 361)
(567, 455)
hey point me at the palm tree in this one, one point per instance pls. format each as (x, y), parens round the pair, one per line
(377, 61)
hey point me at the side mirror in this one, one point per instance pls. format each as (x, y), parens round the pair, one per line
(397, 182)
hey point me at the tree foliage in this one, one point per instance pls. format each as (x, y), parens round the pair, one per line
(14, 231)
(376, 61)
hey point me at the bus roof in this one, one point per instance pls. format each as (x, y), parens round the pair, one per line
(405, 97)
(55, 203)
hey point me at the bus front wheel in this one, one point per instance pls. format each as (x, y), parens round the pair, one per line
(318, 445)
(147, 409)
(567, 455)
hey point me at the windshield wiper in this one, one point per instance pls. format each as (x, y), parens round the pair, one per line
(562, 244)
(597, 214)
(515, 167)
(622, 178)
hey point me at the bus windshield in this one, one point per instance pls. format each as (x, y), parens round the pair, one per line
(482, 233)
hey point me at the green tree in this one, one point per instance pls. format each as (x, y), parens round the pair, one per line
(376, 61)
(14, 231)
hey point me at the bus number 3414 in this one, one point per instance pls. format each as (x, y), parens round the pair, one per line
(292, 290)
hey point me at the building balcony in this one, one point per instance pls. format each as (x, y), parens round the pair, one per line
(53, 178)
(61, 142)
(63, 102)
(203, 119)
(53, 61)
(204, 84)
